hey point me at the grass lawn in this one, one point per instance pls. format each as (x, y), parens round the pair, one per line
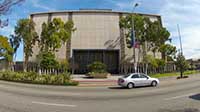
(159, 75)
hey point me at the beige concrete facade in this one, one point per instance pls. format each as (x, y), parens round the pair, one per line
(95, 29)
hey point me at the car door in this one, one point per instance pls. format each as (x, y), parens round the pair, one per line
(144, 79)
(135, 78)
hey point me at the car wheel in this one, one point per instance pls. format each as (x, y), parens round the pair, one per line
(130, 85)
(154, 83)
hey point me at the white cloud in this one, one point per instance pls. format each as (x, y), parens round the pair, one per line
(186, 14)
(38, 4)
(7, 31)
(123, 5)
(173, 12)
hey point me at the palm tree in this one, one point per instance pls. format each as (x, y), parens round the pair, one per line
(69, 27)
(25, 32)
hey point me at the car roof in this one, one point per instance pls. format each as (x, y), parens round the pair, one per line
(138, 73)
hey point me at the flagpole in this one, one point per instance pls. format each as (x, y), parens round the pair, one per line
(133, 36)
(179, 33)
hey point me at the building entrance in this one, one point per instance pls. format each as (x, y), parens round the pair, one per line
(82, 58)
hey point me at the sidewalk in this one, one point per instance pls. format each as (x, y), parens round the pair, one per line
(83, 78)
(86, 82)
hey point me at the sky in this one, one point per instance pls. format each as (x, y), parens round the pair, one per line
(173, 12)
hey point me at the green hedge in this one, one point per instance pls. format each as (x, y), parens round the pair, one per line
(189, 72)
(31, 77)
(97, 75)
(97, 70)
(97, 67)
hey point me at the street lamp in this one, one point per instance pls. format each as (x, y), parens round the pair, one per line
(133, 35)
(132, 24)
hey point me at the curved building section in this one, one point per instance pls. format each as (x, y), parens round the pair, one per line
(97, 38)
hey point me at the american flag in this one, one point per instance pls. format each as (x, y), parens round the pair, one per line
(137, 45)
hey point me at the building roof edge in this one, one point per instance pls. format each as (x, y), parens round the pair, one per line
(91, 11)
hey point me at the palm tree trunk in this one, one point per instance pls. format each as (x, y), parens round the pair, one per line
(68, 48)
(146, 68)
(154, 54)
(139, 51)
(135, 63)
(25, 64)
(144, 54)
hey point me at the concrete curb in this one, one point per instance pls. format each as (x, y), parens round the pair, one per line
(82, 81)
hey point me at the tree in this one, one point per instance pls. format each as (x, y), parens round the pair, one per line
(157, 35)
(149, 34)
(48, 60)
(25, 32)
(140, 35)
(5, 8)
(144, 32)
(69, 27)
(15, 43)
(181, 64)
(154, 62)
(168, 51)
(6, 50)
(139, 25)
(151, 60)
(64, 65)
(50, 39)
(55, 34)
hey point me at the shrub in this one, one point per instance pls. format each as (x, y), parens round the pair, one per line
(64, 64)
(47, 60)
(8, 75)
(31, 77)
(160, 62)
(27, 76)
(97, 75)
(97, 70)
(97, 67)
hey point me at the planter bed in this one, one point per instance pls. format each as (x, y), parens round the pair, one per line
(98, 75)
(34, 78)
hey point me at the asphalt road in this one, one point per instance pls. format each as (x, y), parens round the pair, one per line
(170, 96)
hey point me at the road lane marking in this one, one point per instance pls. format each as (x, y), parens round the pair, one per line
(53, 104)
(181, 96)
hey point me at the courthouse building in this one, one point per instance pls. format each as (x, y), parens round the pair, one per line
(97, 38)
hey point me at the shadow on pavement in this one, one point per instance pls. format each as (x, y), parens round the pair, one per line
(118, 87)
(181, 110)
(195, 97)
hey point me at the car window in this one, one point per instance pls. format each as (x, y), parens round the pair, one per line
(143, 76)
(135, 76)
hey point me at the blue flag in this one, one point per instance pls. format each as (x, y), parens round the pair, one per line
(132, 38)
